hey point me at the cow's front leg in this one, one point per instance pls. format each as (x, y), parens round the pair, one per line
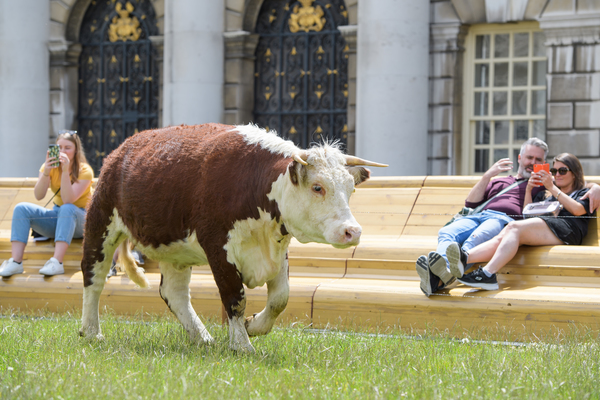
(278, 292)
(175, 291)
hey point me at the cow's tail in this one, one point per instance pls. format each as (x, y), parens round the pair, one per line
(127, 262)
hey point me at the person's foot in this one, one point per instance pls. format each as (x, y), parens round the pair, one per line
(10, 267)
(438, 267)
(457, 259)
(429, 282)
(479, 279)
(52, 267)
(113, 270)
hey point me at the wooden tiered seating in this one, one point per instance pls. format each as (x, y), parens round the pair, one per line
(373, 285)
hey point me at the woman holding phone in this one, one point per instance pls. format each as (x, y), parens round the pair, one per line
(566, 184)
(69, 176)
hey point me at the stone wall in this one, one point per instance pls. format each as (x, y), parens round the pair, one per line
(572, 30)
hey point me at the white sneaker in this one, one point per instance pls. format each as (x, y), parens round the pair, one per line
(52, 267)
(10, 267)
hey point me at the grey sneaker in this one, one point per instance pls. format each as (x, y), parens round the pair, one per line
(438, 267)
(52, 267)
(11, 267)
(429, 282)
(457, 259)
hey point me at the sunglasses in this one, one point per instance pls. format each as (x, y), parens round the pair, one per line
(561, 171)
(67, 133)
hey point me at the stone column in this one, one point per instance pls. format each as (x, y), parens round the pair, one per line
(240, 47)
(193, 61)
(392, 83)
(24, 86)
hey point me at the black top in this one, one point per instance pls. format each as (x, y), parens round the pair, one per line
(568, 228)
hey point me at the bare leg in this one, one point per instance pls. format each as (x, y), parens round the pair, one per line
(278, 291)
(532, 232)
(60, 249)
(18, 249)
(175, 291)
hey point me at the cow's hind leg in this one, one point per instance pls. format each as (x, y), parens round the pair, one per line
(98, 250)
(278, 291)
(175, 291)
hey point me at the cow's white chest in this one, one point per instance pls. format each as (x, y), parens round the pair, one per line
(257, 248)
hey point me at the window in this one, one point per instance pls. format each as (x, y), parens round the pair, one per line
(505, 82)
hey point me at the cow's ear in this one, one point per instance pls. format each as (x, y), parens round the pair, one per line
(293, 168)
(360, 174)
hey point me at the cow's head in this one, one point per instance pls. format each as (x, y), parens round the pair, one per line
(313, 196)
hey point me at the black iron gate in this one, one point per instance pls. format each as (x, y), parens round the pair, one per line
(118, 78)
(301, 78)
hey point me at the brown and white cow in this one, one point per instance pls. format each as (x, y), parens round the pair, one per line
(229, 196)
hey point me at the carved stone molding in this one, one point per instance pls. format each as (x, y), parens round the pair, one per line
(240, 44)
(350, 34)
(497, 11)
(448, 37)
(571, 29)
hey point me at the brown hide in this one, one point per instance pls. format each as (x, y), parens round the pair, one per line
(168, 183)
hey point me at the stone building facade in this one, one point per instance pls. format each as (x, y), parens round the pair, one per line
(436, 87)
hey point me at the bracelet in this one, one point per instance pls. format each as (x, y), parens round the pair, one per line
(558, 195)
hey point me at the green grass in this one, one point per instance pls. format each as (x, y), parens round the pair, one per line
(42, 356)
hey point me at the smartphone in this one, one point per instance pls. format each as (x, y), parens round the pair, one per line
(54, 151)
(541, 167)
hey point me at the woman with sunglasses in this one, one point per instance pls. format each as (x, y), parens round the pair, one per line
(568, 188)
(69, 176)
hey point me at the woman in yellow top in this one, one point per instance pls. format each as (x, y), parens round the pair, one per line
(71, 181)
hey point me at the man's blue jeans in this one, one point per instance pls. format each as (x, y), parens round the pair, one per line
(471, 230)
(61, 223)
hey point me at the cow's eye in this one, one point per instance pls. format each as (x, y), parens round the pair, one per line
(318, 189)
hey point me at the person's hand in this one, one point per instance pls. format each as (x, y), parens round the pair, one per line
(49, 164)
(502, 165)
(545, 179)
(594, 196)
(534, 181)
(64, 161)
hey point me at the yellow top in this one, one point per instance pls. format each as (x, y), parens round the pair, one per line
(86, 173)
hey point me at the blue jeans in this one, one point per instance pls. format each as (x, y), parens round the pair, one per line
(61, 223)
(471, 230)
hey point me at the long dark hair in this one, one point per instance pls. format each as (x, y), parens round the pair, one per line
(79, 156)
(574, 166)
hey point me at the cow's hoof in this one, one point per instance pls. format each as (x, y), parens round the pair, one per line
(256, 327)
(97, 336)
(240, 348)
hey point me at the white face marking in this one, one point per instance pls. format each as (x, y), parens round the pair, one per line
(257, 248)
(317, 210)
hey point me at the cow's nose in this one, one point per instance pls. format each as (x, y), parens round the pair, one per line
(353, 234)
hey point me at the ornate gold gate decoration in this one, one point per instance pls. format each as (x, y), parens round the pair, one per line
(124, 27)
(307, 17)
(301, 79)
(118, 91)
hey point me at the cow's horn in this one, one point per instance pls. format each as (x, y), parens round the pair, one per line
(301, 157)
(351, 160)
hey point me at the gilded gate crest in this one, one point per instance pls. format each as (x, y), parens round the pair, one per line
(307, 17)
(124, 27)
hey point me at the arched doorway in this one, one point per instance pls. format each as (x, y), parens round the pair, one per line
(118, 77)
(301, 78)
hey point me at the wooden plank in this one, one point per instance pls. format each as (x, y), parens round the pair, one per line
(393, 182)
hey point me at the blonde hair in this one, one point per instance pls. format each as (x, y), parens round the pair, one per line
(79, 156)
